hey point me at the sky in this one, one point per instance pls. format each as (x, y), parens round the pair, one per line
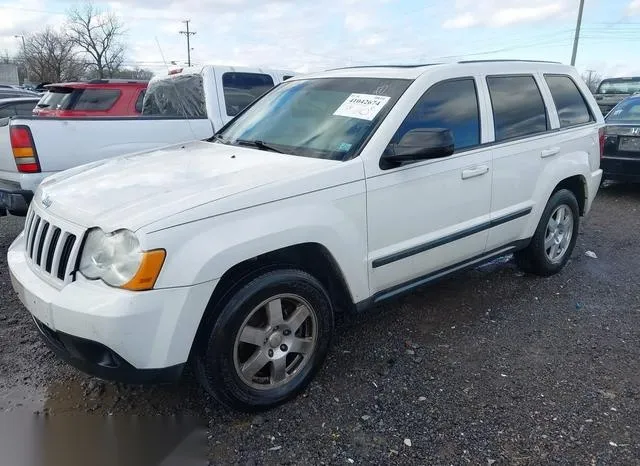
(311, 35)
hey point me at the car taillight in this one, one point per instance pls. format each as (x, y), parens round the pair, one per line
(601, 137)
(24, 150)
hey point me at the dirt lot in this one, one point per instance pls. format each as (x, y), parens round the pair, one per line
(488, 367)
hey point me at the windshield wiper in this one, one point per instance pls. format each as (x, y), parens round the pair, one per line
(258, 145)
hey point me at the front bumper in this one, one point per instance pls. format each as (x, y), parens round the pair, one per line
(621, 168)
(109, 332)
(96, 359)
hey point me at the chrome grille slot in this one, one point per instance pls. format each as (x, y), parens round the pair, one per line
(35, 236)
(43, 237)
(65, 256)
(51, 248)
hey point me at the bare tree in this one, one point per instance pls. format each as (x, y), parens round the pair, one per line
(592, 79)
(49, 56)
(98, 34)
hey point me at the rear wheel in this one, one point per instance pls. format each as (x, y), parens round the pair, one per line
(554, 238)
(268, 342)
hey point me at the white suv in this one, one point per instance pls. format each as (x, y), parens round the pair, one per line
(332, 192)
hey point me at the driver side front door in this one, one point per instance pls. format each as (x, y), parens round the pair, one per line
(431, 215)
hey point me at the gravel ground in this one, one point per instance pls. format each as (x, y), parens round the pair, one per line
(488, 367)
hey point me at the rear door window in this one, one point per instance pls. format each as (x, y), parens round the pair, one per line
(571, 107)
(240, 89)
(518, 108)
(96, 99)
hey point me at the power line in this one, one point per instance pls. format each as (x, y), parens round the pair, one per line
(188, 34)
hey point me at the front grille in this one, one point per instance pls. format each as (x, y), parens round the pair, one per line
(51, 249)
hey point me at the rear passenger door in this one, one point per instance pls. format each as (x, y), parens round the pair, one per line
(521, 141)
(239, 89)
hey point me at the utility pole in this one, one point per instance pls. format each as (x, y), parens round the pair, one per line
(577, 36)
(188, 34)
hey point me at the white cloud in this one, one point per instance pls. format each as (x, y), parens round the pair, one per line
(31, 17)
(499, 13)
(633, 8)
(464, 20)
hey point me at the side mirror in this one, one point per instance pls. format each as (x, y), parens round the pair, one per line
(418, 144)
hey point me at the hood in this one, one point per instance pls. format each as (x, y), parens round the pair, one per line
(135, 190)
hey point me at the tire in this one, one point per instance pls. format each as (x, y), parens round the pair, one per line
(271, 306)
(536, 258)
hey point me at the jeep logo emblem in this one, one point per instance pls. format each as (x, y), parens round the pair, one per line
(46, 201)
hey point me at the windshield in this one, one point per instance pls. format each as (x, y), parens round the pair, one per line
(627, 111)
(326, 118)
(619, 87)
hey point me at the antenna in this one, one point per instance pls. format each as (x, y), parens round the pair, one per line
(161, 54)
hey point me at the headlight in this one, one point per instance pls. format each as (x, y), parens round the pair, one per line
(116, 259)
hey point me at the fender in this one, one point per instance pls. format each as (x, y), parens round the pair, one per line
(557, 170)
(336, 219)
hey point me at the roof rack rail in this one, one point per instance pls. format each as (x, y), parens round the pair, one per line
(508, 60)
(383, 66)
(116, 81)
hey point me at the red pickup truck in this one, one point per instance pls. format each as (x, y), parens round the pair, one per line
(96, 98)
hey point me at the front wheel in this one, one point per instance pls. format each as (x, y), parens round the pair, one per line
(268, 342)
(554, 238)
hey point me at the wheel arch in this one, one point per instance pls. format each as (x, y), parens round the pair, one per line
(577, 184)
(311, 257)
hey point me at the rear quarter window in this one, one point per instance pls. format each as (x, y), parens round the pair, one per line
(240, 89)
(570, 104)
(518, 108)
(97, 99)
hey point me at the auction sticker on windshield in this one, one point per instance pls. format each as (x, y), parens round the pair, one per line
(362, 106)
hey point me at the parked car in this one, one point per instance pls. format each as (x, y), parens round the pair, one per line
(621, 158)
(8, 93)
(184, 106)
(332, 192)
(17, 106)
(96, 98)
(611, 91)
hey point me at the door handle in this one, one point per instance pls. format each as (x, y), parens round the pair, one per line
(549, 152)
(475, 171)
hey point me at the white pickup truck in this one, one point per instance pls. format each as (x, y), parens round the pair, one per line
(187, 105)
